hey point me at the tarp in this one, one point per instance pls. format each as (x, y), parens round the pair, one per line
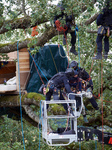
(48, 61)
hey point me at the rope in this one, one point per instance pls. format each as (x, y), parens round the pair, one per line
(92, 61)
(102, 102)
(59, 47)
(79, 145)
(67, 49)
(39, 126)
(38, 66)
(38, 72)
(20, 94)
(53, 59)
(95, 143)
(57, 23)
(79, 50)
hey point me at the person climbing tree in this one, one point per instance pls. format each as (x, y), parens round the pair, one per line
(104, 23)
(85, 76)
(70, 21)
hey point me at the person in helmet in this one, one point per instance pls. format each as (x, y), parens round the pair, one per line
(57, 82)
(85, 76)
(76, 87)
(69, 19)
(104, 23)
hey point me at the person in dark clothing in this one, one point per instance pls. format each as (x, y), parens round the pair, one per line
(75, 83)
(69, 23)
(57, 83)
(76, 86)
(104, 23)
(85, 76)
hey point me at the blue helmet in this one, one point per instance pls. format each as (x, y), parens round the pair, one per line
(69, 72)
(73, 64)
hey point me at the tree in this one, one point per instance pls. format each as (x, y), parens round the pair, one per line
(16, 20)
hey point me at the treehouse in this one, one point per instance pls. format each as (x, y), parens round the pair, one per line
(9, 81)
(34, 70)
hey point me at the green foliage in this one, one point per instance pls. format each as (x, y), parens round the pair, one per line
(10, 133)
(35, 96)
(11, 136)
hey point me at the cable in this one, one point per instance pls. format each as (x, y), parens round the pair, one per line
(38, 66)
(79, 49)
(20, 94)
(53, 59)
(102, 102)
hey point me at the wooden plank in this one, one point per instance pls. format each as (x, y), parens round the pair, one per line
(23, 50)
(24, 69)
(24, 60)
(24, 54)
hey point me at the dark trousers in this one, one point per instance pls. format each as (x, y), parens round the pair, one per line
(57, 95)
(99, 43)
(93, 102)
(73, 36)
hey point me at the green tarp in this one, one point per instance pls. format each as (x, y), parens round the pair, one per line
(48, 61)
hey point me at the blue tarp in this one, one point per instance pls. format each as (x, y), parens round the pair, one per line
(48, 61)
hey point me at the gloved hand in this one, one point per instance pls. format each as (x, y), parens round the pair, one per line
(72, 97)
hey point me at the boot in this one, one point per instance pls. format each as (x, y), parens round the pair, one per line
(64, 41)
(72, 50)
(98, 56)
(106, 55)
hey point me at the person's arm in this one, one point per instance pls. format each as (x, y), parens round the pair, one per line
(100, 19)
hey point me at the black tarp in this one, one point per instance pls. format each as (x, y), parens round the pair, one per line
(49, 60)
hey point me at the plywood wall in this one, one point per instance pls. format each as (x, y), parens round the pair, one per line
(24, 60)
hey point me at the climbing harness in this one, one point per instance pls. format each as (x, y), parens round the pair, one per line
(60, 28)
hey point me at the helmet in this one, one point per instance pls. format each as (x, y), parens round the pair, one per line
(69, 72)
(73, 64)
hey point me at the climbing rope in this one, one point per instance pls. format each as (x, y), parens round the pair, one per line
(102, 102)
(20, 94)
(38, 66)
(92, 61)
(78, 50)
(60, 28)
(59, 47)
(40, 126)
(53, 59)
(38, 72)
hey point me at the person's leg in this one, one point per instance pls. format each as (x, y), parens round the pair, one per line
(73, 41)
(99, 47)
(48, 97)
(64, 105)
(106, 46)
(93, 102)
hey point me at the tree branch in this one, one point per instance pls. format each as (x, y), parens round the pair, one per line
(21, 23)
(90, 20)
